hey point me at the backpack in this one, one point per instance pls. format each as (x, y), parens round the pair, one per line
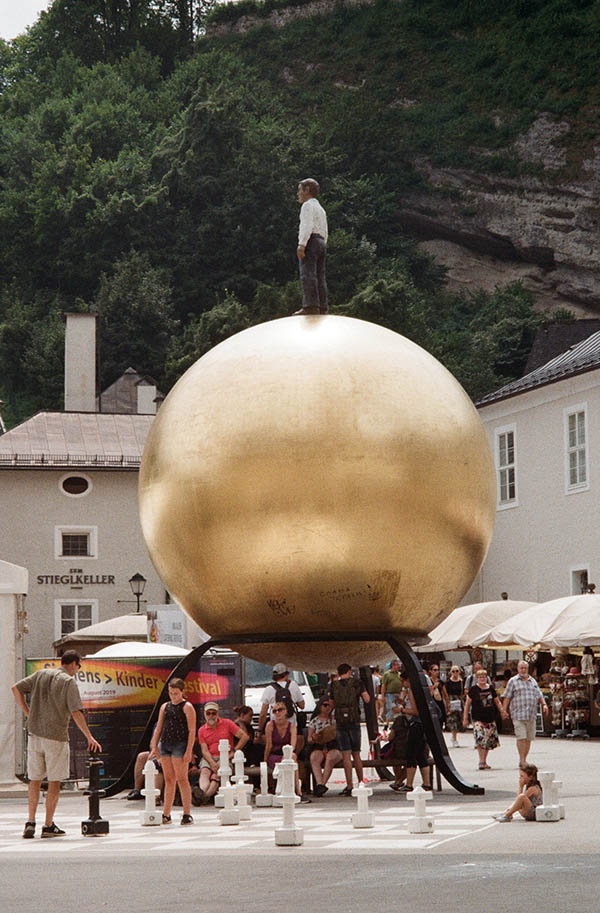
(345, 698)
(283, 696)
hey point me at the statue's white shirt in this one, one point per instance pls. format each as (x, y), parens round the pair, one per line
(313, 221)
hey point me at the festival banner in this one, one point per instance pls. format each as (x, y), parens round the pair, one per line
(106, 683)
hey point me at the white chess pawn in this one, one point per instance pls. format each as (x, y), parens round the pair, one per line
(150, 817)
(362, 817)
(277, 797)
(264, 799)
(224, 771)
(288, 834)
(420, 824)
(230, 814)
(243, 790)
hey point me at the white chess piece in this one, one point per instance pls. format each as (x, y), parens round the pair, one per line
(556, 785)
(150, 817)
(224, 771)
(547, 811)
(277, 797)
(288, 834)
(264, 799)
(230, 814)
(362, 817)
(243, 790)
(420, 824)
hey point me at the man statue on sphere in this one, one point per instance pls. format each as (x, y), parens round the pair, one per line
(312, 249)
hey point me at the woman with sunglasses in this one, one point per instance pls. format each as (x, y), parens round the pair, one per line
(279, 732)
(484, 701)
(324, 752)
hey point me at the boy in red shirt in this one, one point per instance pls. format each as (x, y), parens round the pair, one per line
(209, 737)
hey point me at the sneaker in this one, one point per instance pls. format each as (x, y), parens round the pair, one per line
(347, 791)
(52, 831)
(320, 790)
(187, 819)
(29, 831)
(134, 794)
(396, 786)
(166, 819)
(305, 800)
(197, 796)
(503, 817)
(404, 789)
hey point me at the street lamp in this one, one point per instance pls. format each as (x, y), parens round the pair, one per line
(137, 584)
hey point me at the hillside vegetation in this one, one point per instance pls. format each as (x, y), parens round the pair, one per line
(149, 174)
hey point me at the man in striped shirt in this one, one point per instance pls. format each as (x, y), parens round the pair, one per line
(312, 249)
(522, 696)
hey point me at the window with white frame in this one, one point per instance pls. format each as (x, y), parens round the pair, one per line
(576, 448)
(71, 615)
(75, 542)
(506, 466)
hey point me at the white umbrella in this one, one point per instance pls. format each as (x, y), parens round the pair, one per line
(467, 623)
(134, 648)
(571, 621)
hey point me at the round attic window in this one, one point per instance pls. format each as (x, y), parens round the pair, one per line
(75, 485)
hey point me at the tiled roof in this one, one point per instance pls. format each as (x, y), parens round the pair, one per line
(122, 395)
(82, 439)
(585, 356)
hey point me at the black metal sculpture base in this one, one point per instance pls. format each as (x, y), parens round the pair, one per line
(425, 705)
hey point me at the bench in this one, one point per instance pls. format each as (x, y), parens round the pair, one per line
(377, 763)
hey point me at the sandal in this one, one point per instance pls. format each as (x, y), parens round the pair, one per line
(166, 819)
(484, 767)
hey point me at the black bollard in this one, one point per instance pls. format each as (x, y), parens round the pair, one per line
(95, 826)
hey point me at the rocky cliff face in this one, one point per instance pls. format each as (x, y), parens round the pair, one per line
(489, 230)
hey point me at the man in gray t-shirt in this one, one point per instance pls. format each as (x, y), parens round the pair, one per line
(53, 699)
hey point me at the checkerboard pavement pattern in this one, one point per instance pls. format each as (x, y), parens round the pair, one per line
(325, 829)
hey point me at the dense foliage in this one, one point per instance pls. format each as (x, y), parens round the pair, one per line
(148, 173)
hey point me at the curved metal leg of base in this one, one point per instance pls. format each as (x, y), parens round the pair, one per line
(181, 670)
(429, 718)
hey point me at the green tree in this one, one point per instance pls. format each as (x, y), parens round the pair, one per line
(134, 306)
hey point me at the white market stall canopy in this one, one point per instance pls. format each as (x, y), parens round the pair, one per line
(571, 621)
(467, 623)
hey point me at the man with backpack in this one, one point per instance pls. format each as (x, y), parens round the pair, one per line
(346, 692)
(283, 690)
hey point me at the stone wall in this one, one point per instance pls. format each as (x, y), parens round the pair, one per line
(281, 17)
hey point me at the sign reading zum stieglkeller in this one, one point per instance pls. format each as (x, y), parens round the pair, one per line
(76, 579)
(119, 694)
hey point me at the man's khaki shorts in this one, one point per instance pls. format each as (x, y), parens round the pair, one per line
(47, 758)
(524, 729)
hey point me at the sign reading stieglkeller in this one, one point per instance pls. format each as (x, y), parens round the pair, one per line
(76, 577)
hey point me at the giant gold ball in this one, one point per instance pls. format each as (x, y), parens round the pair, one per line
(317, 475)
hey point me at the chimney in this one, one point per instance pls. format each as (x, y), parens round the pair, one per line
(80, 363)
(146, 396)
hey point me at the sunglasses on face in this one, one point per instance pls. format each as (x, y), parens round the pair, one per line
(211, 713)
(279, 709)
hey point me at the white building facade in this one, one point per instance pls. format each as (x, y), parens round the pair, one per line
(544, 430)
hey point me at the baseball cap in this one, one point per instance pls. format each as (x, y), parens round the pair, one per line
(210, 705)
(279, 669)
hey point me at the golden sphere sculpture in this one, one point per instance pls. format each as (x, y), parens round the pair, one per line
(317, 474)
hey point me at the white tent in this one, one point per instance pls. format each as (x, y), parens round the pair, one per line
(131, 625)
(134, 648)
(571, 621)
(465, 626)
(14, 584)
